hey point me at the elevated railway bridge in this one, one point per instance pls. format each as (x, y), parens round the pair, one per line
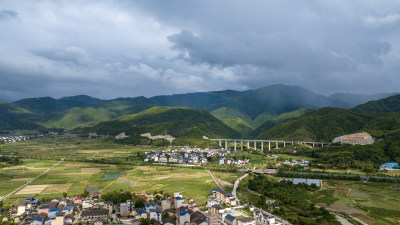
(241, 142)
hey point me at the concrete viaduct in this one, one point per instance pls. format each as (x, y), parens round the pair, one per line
(247, 142)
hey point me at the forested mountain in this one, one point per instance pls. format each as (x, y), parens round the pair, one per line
(176, 121)
(47, 105)
(352, 100)
(91, 115)
(321, 125)
(390, 104)
(247, 112)
(10, 114)
(327, 123)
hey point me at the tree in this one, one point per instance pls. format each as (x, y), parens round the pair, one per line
(144, 222)
(65, 194)
(139, 203)
(85, 193)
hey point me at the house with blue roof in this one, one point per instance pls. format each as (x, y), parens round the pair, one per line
(141, 214)
(184, 217)
(39, 220)
(229, 219)
(52, 212)
(179, 201)
(149, 207)
(390, 166)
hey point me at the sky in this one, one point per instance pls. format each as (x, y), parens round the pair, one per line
(110, 49)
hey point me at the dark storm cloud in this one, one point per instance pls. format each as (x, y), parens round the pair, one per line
(8, 15)
(128, 48)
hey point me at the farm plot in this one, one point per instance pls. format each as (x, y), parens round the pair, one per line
(32, 189)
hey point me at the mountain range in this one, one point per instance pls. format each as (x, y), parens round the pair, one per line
(248, 113)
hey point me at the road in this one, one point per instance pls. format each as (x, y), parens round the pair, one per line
(237, 184)
(215, 180)
(4, 197)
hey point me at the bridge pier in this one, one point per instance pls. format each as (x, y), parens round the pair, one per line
(241, 146)
(235, 146)
(262, 146)
(255, 145)
(322, 144)
(313, 144)
(226, 145)
(284, 144)
(248, 145)
(276, 145)
(269, 146)
(220, 144)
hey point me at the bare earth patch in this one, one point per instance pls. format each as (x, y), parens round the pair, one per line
(32, 189)
(131, 182)
(340, 207)
(21, 179)
(90, 170)
(77, 164)
(57, 188)
(147, 169)
(365, 218)
(88, 151)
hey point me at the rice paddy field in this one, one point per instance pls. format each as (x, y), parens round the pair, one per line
(374, 203)
(72, 148)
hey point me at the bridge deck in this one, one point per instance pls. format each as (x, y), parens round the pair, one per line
(279, 141)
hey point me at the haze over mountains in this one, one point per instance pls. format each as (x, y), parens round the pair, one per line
(245, 113)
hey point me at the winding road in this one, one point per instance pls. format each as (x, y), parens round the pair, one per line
(237, 184)
(215, 180)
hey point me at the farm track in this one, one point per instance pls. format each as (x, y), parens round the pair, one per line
(19, 188)
(215, 180)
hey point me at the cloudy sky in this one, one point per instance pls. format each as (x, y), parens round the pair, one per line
(111, 49)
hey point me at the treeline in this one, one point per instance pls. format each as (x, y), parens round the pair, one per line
(292, 201)
(7, 161)
(182, 141)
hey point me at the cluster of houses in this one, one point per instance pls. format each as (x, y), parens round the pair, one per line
(236, 162)
(220, 204)
(10, 139)
(184, 155)
(304, 163)
(70, 210)
(259, 217)
(57, 212)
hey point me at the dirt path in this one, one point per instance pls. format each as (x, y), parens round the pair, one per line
(342, 220)
(215, 180)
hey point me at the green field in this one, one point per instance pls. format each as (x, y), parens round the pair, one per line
(375, 203)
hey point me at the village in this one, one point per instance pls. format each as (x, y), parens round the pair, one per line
(193, 156)
(13, 139)
(144, 208)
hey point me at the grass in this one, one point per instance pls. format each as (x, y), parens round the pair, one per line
(378, 202)
(193, 183)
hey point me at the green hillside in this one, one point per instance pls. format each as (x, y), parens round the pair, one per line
(238, 125)
(390, 104)
(89, 116)
(10, 114)
(245, 125)
(48, 105)
(321, 125)
(176, 121)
